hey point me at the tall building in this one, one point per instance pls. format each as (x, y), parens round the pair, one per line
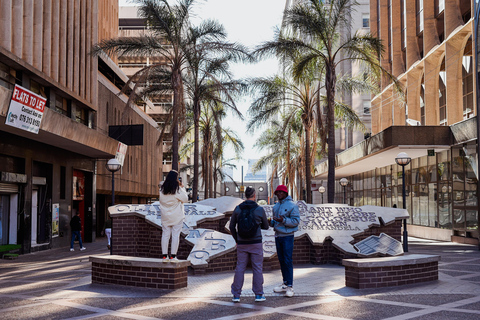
(260, 175)
(57, 102)
(429, 46)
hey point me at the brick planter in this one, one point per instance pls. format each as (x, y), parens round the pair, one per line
(139, 272)
(390, 271)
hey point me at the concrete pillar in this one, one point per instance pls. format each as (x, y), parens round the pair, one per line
(94, 67)
(6, 24)
(414, 80)
(83, 23)
(413, 52)
(432, 69)
(453, 68)
(70, 40)
(55, 39)
(453, 17)
(88, 47)
(397, 63)
(76, 51)
(62, 76)
(17, 28)
(47, 36)
(37, 34)
(430, 37)
(28, 31)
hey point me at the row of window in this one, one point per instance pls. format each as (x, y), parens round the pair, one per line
(9, 77)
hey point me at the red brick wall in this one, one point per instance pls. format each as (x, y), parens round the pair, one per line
(146, 277)
(133, 236)
(378, 277)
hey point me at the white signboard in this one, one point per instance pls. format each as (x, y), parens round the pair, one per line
(121, 152)
(26, 110)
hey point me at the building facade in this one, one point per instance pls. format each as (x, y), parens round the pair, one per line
(48, 176)
(429, 47)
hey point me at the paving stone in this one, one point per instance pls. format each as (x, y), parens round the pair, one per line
(121, 303)
(275, 302)
(454, 273)
(460, 267)
(471, 306)
(47, 312)
(9, 302)
(425, 299)
(448, 315)
(194, 310)
(276, 316)
(356, 310)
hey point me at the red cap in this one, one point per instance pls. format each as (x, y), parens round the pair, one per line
(281, 187)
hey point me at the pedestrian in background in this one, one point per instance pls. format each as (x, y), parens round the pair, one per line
(286, 218)
(108, 231)
(247, 220)
(76, 226)
(172, 197)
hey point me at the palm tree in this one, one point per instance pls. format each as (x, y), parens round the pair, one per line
(209, 78)
(298, 98)
(167, 37)
(315, 26)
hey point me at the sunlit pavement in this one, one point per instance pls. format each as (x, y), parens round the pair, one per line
(56, 284)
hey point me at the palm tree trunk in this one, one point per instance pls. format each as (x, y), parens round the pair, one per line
(177, 107)
(196, 149)
(308, 169)
(210, 176)
(330, 82)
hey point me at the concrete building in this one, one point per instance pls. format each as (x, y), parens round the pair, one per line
(430, 46)
(48, 175)
(233, 189)
(260, 175)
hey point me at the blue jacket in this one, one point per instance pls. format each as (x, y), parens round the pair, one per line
(291, 217)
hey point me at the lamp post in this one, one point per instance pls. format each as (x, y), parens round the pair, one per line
(403, 159)
(344, 183)
(113, 166)
(321, 189)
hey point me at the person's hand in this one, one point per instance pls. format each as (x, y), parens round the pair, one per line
(279, 219)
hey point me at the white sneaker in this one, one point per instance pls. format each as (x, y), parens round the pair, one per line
(173, 259)
(289, 293)
(71, 249)
(82, 248)
(280, 288)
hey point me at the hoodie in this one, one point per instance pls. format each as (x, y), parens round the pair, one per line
(287, 209)
(171, 207)
(260, 218)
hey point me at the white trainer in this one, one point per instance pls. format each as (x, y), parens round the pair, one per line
(289, 293)
(82, 248)
(280, 288)
(71, 249)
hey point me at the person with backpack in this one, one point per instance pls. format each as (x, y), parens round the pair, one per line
(286, 218)
(246, 223)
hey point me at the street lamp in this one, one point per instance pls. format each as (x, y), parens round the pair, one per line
(113, 166)
(403, 159)
(321, 189)
(344, 183)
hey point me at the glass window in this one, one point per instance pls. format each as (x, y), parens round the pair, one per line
(366, 107)
(62, 105)
(7, 79)
(467, 77)
(366, 20)
(442, 94)
(38, 89)
(419, 16)
(81, 115)
(432, 205)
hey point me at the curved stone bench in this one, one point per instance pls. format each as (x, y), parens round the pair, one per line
(139, 272)
(390, 271)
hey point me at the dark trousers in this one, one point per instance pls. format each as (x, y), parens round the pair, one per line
(254, 253)
(76, 233)
(285, 257)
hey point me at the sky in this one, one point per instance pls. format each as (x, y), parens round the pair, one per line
(249, 22)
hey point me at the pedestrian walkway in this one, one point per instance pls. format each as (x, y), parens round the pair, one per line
(56, 284)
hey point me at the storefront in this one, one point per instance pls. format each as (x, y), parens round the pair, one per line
(440, 181)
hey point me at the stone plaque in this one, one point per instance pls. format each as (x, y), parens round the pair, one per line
(382, 245)
(208, 244)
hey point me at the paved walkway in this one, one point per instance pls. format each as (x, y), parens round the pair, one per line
(56, 284)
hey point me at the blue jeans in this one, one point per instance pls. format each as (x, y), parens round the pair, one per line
(254, 253)
(285, 253)
(76, 233)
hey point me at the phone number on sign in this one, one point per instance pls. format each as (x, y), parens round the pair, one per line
(29, 120)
